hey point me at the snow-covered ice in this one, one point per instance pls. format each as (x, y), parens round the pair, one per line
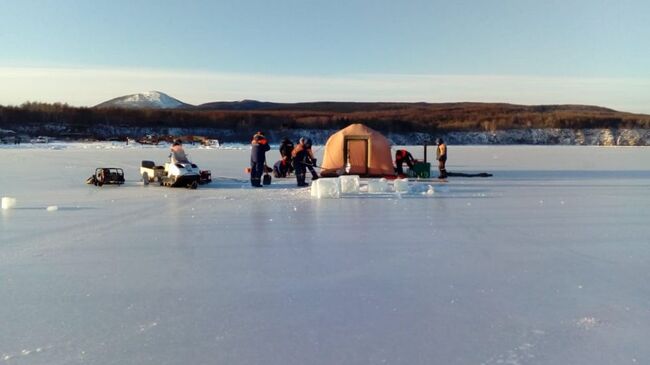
(545, 263)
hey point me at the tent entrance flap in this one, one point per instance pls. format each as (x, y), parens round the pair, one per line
(356, 152)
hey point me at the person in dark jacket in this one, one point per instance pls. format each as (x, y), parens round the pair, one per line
(259, 146)
(300, 157)
(311, 160)
(402, 157)
(286, 147)
(441, 156)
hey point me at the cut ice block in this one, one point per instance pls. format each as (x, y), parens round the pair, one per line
(326, 188)
(349, 184)
(8, 202)
(313, 189)
(401, 185)
(377, 186)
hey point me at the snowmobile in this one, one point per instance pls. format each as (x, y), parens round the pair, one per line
(171, 174)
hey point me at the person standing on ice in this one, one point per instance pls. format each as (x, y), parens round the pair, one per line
(311, 160)
(300, 156)
(259, 146)
(178, 153)
(441, 156)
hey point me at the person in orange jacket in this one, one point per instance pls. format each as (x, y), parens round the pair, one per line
(300, 157)
(311, 160)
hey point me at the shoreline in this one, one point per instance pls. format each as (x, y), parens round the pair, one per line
(535, 137)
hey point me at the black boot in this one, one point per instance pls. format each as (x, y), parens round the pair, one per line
(256, 182)
(301, 180)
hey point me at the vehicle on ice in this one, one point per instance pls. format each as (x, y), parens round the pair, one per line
(174, 174)
(106, 175)
(40, 139)
(213, 143)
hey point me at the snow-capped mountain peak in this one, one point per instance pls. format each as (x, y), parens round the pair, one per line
(145, 100)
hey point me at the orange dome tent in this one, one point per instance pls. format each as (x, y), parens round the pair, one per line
(366, 150)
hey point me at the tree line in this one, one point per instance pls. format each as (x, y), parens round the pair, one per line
(395, 118)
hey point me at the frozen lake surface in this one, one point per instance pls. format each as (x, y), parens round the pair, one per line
(548, 262)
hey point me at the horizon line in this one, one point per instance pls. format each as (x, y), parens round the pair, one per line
(90, 86)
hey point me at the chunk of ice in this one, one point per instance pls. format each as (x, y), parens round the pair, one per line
(8, 202)
(349, 184)
(326, 188)
(378, 186)
(52, 208)
(401, 185)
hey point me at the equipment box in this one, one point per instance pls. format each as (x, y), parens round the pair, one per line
(420, 170)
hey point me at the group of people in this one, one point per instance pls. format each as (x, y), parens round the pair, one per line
(404, 157)
(295, 159)
(299, 158)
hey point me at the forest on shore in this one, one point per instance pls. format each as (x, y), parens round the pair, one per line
(63, 120)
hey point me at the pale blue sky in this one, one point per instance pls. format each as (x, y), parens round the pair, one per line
(285, 40)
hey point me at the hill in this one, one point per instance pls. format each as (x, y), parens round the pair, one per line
(146, 100)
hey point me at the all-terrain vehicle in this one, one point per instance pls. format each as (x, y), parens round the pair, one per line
(106, 175)
(183, 174)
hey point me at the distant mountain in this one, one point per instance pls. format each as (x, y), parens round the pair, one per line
(320, 106)
(146, 100)
(393, 107)
(239, 105)
(159, 100)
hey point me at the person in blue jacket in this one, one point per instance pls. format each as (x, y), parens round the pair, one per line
(259, 146)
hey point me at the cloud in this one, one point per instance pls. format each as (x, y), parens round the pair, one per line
(90, 86)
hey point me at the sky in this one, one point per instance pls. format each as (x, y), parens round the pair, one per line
(519, 51)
